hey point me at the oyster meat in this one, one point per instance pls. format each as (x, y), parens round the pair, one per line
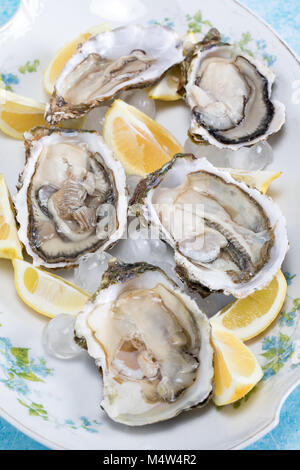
(229, 93)
(152, 343)
(72, 196)
(226, 236)
(125, 58)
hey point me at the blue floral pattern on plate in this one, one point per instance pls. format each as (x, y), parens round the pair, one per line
(19, 370)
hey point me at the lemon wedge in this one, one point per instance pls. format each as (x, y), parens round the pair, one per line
(47, 293)
(189, 40)
(62, 56)
(249, 317)
(166, 88)
(237, 371)
(260, 179)
(19, 114)
(10, 246)
(141, 144)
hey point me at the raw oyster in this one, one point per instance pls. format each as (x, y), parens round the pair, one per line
(72, 196)
(152, 343)
(229, 93)
(226, 236)
(125, 58)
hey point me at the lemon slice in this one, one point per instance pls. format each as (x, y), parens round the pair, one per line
(249, 317)
(141, 144)
(19, 114)
(260, 180)
(62, 56)
(166, 88)
(46, 293)
(10, 246)
(237, 370)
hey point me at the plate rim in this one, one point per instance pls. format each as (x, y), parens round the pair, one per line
(274, 421)
(268, 26)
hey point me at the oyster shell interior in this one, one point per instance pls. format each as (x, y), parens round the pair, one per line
(152, 343)
(73, 189)
(148, 344)
(231, 231)
(226, 236)
(95, 77)
(229, 94)
(125, 58)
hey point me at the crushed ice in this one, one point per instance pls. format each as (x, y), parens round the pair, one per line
(252, 158)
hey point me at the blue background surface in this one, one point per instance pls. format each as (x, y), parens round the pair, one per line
(7, 9)
(284, 17)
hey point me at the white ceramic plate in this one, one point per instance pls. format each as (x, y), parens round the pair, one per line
(57, 403)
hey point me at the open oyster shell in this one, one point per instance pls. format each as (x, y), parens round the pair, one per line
(226, 236)
(72, 196)
(229, 93)
(128, 57)
(152, 343)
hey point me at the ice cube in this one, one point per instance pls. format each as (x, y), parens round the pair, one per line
(58, 337)
(95, 119)
(217, 157)
(140, 247)
(252, 158)
(257, 157)
(90, 270)
(140, 100)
